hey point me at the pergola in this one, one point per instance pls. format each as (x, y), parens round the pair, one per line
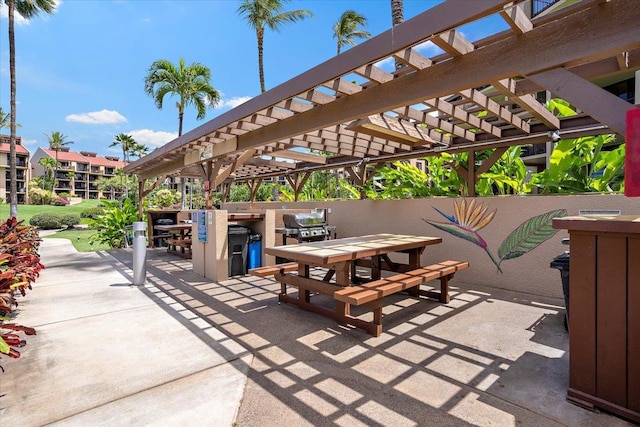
(474, 96)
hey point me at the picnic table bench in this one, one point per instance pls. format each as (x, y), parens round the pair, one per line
(340, 256)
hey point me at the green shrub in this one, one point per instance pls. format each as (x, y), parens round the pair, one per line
(92, 213)
(111, 227)
(70, 220)
(46, 221)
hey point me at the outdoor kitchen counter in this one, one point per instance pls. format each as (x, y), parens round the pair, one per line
(604, 314)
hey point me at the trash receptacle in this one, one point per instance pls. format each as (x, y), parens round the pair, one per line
(255, 251)
(561, 262)
(238, 249)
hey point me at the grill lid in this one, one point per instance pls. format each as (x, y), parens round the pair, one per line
(303, 220)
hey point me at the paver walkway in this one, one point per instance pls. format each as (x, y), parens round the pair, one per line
(107, 353)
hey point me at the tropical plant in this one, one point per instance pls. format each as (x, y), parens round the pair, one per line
(347, 29)
(580, 166)
(126, 143)
(27, 9)
(19, 267)
(111, 228)
(261, 14)
(164, 197)
(49, 166)
(57, 140)
(139, 150)
(190, 84)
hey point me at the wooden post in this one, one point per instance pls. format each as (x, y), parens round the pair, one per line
(632, 158)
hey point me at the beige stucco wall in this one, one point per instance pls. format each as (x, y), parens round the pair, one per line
(529, 273)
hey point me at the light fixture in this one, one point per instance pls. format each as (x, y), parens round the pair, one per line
(392, 129)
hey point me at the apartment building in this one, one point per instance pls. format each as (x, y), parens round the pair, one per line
(78, 171)
(22, 169)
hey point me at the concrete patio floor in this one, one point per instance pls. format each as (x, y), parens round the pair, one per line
(184, 350)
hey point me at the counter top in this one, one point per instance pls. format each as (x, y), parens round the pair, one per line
(629, 224)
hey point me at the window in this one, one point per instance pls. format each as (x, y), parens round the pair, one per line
(539, 6)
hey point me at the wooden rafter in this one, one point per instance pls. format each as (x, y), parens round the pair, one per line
(528, 102)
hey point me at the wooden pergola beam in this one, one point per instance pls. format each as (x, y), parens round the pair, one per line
(617, 30)
(602, 105)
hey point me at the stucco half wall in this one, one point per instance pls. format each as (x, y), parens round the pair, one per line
(529, 273)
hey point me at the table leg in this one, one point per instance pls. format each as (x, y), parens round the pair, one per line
(414, 262)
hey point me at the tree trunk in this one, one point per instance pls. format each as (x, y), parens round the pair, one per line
(397, 17)
(13, 174)
(260, 35)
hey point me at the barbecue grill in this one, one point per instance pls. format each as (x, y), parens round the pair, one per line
(306, 227)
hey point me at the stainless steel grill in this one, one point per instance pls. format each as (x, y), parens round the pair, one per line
(306, 227)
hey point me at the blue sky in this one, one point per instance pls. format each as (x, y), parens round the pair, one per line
(81, 70)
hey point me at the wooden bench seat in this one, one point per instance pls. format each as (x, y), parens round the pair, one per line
(272, 270)
(179, 242)
(372, 293)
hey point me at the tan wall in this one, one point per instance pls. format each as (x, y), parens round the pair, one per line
(529, 273)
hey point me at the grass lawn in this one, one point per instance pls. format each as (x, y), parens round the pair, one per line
(80, 239)
(25, 212)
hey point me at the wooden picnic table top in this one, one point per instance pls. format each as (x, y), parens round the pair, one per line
(173, 227)
(327, 252)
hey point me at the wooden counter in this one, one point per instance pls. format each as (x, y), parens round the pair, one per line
(604, 317)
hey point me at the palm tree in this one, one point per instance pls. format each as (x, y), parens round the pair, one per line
(56, 141)
(126, 142)
(397, 17)
(267, 13)
(346, 29)
(27, 9)
(190, 84)
(5, 119)
(49, 166)
(139, 150)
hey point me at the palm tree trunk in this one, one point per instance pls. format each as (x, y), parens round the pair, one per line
(397, 17)
(13, 175)
(180, 116)
(55, 177)
(260, 34)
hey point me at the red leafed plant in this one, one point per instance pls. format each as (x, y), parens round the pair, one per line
(19, 266)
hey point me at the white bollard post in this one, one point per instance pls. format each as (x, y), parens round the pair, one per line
(139, 253)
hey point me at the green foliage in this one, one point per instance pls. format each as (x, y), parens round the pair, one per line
(46, 221)
(580, 166)
(111, 227)
(92, 213)
(52, 221)
(39, 196)
(239, 193)
(70, 220)
(164, 198)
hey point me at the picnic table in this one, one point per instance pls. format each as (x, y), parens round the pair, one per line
(178, 238)
(341, 258)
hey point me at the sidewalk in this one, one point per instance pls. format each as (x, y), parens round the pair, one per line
(107, 353)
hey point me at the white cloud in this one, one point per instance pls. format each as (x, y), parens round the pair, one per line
(29, 141)
(152, 138)
(232, 102)
(103, 117)
(386, 64)
(428, 49)
(19, 19)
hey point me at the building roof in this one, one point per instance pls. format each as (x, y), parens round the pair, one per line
(66, 156)
(476, 95)
(103, 161)
(5, 145)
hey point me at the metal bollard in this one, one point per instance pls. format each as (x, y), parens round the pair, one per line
(139, 253)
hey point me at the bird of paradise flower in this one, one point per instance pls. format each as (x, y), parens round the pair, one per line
(470, 217)
(467, 219)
